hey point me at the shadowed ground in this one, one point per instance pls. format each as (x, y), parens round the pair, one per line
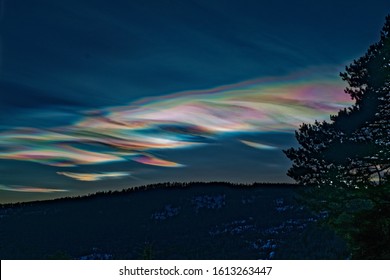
(170, 221)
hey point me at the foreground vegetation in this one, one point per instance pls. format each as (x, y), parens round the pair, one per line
(345, 162)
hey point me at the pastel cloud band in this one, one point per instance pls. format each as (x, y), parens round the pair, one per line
(89, 177)
(181, 120)
(28, 189)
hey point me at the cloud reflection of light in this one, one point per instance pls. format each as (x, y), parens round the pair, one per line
(30, 189)
(258, 145)
(62, 156)
(180, 120)
(151, 160)
(89, 177)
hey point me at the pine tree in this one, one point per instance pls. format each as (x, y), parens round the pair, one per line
(346, 160)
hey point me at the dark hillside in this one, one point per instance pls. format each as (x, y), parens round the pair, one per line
(169, 221)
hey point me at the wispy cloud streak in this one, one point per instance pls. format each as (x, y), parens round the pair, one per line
(151, 160)
(28, 189)
(89, 177)
(258, 145)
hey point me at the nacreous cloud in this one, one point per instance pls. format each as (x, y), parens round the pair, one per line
(258, 145)
(151, 160)
(95, 176)
(180, 120)
(29, 189)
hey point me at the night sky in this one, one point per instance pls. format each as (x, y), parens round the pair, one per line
(101, 95)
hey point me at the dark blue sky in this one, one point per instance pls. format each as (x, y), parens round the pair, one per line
(98, 95)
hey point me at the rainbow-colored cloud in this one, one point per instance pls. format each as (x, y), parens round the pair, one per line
(151, 160)
(258, 145)
(181, 120)
(28, 189)
(89, 177)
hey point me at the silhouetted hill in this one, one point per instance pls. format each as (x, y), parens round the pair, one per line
(169, 221)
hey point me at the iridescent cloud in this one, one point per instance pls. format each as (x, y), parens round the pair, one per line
(258, 145)
(57, 155)
(89, 177)
(29, 189)
(151, 160)
(181, 120)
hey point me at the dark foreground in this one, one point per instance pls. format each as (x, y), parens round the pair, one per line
(192, 221)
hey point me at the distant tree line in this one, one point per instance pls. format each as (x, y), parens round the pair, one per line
(142, 188)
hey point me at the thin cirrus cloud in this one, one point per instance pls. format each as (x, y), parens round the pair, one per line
(89, 177)
(54, 154)
(258, 145)
(151, 160)
(180, 120)
(28, 189)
